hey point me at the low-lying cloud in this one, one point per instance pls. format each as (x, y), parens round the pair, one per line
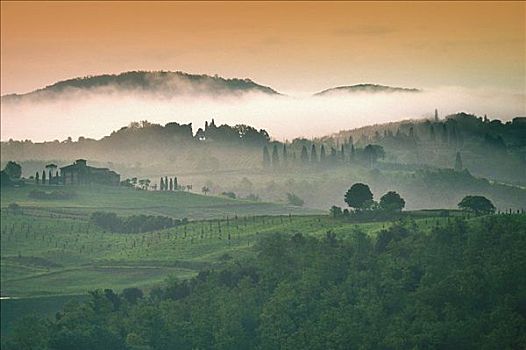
(97, 113)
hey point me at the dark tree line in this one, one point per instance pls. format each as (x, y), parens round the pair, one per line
(134, 223)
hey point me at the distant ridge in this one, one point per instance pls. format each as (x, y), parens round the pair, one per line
(164, 83)
(368, 88)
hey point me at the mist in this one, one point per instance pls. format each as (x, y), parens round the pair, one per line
(96, 113)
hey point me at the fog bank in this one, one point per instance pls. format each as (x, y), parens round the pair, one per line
(98, 113)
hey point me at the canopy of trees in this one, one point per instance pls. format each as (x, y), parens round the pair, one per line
(405, 289)
(391, 201)
(477, 204)
(133, 223)
(359, 196)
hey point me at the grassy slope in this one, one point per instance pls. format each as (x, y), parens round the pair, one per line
(127, 201)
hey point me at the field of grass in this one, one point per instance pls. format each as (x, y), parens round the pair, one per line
(126, 201)
(50, 251)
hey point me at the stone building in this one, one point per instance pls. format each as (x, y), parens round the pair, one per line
(79, 173)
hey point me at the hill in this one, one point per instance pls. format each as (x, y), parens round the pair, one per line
(365, 88)
(488, 148)
(409, 285)
(163, 83)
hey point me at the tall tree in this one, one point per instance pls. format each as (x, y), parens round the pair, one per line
(342, 153)
(304, 154)
(313, 154)
(161, 184)
(391, 201)
(13, 169)
(171, 185)
(458, 162)
(432, 135)
(43, 177)
(322, 154)
(285, 154)
(266, 157)
(176, 185)
(444, 133)
(166, 183)
(359, 196)
(275, 156)
(37, 178)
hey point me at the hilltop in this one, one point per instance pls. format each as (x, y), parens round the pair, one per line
(164, 83)
(367, 88)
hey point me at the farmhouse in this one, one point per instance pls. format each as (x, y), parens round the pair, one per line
(79, 173)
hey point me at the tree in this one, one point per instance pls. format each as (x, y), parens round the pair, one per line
(359, 196)
(335, 211)
(171, 187)
(285, 154)
(166, 183)
(205, 190)
(372, 153)
(37, 178)
(322, 154)
(391, 201)
(304, 154)
(161, 185)
(266, 157)
(295, 200)
(13, 170)
(275, 156)
(458, 162)
(132, 294)
(313, 154)
(43, 177)
(176, 185)
(477, 204)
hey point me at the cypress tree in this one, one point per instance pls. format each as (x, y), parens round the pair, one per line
(176, 186)
(334, 154)
(444, 133)
(266, 157)
(171, 185)
(458, 162)
(313, 154)
(304, 154)
(50, 179)
(37, 178)
(322, 154)
(43, 177)
(275, 156)
(161, 185)
(166, 183)
(342, 153)
(285, 154)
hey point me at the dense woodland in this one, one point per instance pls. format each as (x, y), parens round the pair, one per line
(462, 286)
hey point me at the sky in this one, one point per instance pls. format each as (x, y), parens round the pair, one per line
(295, 47)
(466, 56)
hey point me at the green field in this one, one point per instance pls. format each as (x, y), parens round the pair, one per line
(50, 251)
(126, 201)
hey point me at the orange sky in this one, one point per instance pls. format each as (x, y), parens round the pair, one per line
(293, 47)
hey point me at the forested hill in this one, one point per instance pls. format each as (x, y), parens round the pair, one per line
(367, 88)
(460, 286)
(488, 148)
(157, 82)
